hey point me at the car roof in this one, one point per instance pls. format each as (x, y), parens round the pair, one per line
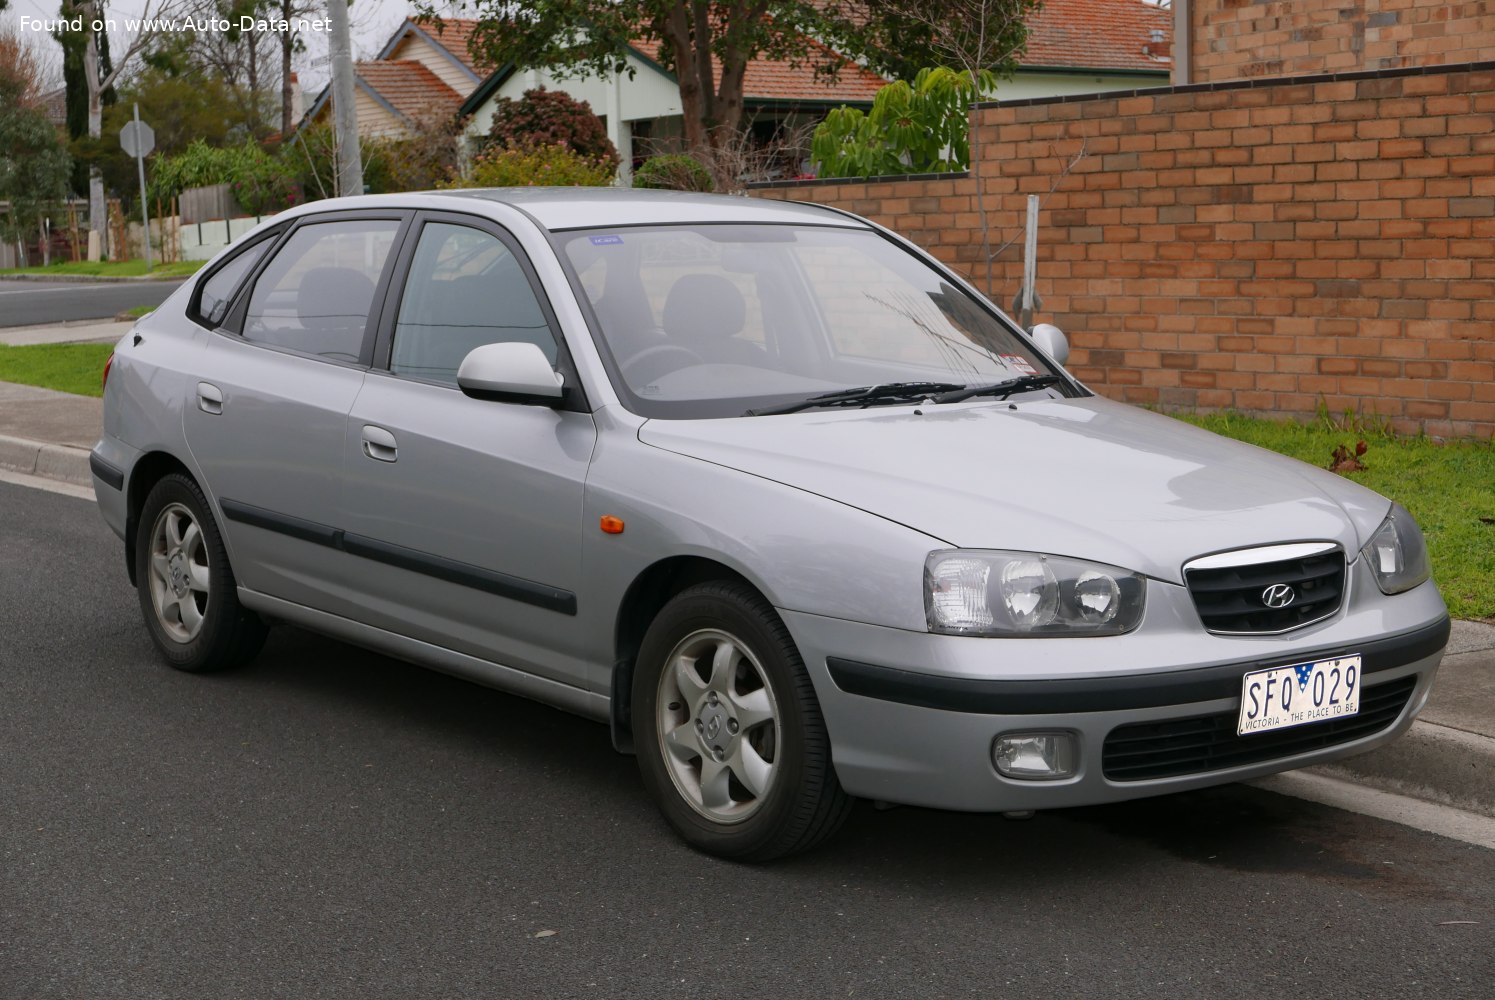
(557, 208)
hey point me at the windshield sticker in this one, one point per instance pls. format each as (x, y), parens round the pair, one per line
(606, 241)
(1019, 363)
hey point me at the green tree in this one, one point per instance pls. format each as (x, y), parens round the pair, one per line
(181, 104)
(913, 128)
(707, 44)
(34, 170)
(75, 83)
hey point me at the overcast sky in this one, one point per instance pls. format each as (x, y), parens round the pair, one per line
(373, 21)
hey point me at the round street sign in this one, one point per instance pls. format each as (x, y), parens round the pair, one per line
(137, 138)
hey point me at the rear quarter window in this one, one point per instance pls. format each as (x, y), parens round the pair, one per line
(215, 293)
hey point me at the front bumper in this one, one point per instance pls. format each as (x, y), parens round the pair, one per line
(912, 717)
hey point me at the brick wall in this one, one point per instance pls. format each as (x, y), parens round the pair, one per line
(1260, 247)
(1232, 39)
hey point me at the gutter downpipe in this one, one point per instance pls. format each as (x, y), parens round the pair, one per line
(1183, 48)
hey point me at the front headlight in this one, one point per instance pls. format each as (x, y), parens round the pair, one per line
(1028, 594)
(1397, 554)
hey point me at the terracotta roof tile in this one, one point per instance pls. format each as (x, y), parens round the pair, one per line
(779, 79)
(409, 87)
(455, 35)
(1099, 34)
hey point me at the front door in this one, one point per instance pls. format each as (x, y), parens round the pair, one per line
(468, 512)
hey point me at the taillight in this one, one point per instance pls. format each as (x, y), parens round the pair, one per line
(104, 382)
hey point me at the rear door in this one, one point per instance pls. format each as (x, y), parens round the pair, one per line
(468, 511)
(266, 418)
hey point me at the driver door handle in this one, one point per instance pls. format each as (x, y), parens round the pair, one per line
(379, 444)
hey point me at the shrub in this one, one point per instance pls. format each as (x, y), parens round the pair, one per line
(265, 185)
(310, 156)
(261, 183)
(550, 117)
(529, 166)
(915, 128)
(673, 172)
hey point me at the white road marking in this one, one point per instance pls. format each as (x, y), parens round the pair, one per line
(50, 485)
(1445, 821)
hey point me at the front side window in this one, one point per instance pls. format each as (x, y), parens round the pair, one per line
(713, 320)
(217, 291)
(466, 289)
(315, 294)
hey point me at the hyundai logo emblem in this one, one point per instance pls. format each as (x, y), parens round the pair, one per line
(1278, 595)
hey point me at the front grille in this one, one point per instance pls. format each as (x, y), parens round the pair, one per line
(1233, 599)
(1209, 742)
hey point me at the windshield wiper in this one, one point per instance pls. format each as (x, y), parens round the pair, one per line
(866, 395)
(1000, 389)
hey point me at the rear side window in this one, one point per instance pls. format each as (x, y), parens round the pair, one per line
(217, 292)
(466, 289)
(314, 295)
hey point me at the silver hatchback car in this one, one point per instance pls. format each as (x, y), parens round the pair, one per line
(766, 488)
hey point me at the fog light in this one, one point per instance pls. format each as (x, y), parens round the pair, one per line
(1035, 756)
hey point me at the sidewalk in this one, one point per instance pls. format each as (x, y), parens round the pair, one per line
(1447, 757)
(86, 331)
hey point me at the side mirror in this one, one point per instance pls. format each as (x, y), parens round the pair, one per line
(511, 373)
(1051, 341)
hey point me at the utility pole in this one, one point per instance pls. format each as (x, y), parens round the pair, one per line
(344, 114)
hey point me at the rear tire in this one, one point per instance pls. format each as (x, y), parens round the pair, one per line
(187, 590)
(730, 740)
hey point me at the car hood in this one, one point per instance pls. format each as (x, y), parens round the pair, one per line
(1087, 478)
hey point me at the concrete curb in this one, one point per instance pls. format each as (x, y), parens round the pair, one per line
(50, 461)
(95, 279)
(1429, 762)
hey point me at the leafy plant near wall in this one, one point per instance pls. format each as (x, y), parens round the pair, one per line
(921, 127)
(673, 172)
(527, 166)
(265, 185)
(549, 117)
(262, 184)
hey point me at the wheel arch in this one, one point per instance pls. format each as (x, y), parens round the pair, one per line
(649, 592)
(148, 470)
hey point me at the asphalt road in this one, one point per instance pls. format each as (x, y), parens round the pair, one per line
(330, 823)
(28, 303)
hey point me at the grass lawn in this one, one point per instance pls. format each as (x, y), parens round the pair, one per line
(135, 312)
(1449, 488)
(75, 368)
(112, 268)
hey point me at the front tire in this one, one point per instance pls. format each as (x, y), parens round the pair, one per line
(187, 590)
(729, 736)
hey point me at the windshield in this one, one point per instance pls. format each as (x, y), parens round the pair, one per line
(714, 320)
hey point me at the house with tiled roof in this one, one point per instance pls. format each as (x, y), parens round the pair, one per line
(642, 109)
(1091, 46)
(423, 72)
(427, 69)
(54, 105)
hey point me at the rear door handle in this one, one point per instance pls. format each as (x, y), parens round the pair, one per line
(209, 398)
(379, 444)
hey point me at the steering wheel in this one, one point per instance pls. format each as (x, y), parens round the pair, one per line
(648, 364)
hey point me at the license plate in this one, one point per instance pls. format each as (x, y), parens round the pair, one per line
(1280, 697)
